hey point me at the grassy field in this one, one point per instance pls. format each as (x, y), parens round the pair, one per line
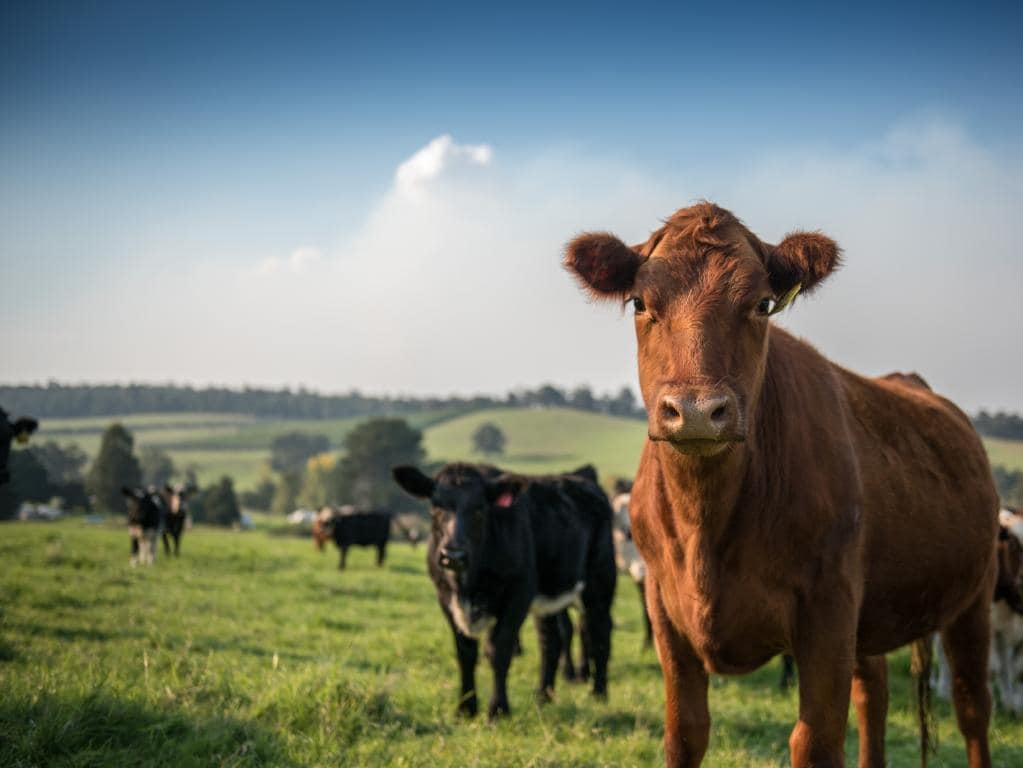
(254, 650)
(1008, 453)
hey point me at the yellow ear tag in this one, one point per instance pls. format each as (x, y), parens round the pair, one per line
(785, 300)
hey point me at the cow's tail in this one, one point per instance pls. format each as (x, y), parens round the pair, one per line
(921, 654)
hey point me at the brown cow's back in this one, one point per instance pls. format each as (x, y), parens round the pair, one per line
(924, 469)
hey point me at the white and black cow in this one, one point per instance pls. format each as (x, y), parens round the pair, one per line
(503, 546)
(175, 500)
(12, 430)
(1006, 660)
(627, 557)
(146, 516)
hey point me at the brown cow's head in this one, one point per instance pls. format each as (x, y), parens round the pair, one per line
(703, 288)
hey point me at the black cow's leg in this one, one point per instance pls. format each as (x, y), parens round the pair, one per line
(177, 544)
(648, 639)
(344, 557)
(565, 628)
(165, 536)
(598, 634)
(467, 650)
(499, 649)
(548, 632)
(381, 553)
(586, 656)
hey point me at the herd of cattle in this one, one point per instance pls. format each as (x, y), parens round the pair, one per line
(783, 505)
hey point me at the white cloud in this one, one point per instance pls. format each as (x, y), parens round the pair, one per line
(453, 283)
(442, 155)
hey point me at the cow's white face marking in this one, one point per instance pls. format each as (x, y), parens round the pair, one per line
(461, 611)
(545, 606)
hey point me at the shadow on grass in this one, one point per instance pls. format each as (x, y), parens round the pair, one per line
(69, 634)
(100, 730)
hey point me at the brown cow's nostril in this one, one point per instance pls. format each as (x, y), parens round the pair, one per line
(719, 413)
(669, 411)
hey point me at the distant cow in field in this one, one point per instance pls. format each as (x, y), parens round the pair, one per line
(322, 527)
(349, 527)
(176, 502)
(627, 557)
(145, 517)
(785, 504)
(504, 546)
(1006, 660)
(19, 430)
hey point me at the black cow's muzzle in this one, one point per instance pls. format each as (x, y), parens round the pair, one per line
(454, 559)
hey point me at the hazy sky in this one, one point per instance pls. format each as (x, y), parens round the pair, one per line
(377, 197)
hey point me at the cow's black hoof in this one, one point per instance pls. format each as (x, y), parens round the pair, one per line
(545, 696)
(469, 707)
(600, 695)
(498, 709)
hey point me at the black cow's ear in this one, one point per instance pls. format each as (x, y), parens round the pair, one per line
(168, 488)
(128, 491)
(413, 481)
(25, 426)
(803, 259)
(605, 265)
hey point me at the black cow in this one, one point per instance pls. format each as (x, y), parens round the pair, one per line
(505, 546)
(363, 529)
(146, 513)
(17, 430)
(176, 502)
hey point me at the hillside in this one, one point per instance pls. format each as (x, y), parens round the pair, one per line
(548, 440)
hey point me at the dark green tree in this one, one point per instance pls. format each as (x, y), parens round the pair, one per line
(219, 504)
(115, 466)
(64, 463)
(363, 475)
(292, 450)
(157, 465)
(29, 482)
(488, 439)
(583, 399)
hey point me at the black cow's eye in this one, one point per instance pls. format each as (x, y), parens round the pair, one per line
(638, 305)
(765, 306)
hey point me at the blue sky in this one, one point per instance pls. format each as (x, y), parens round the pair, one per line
(150, 154)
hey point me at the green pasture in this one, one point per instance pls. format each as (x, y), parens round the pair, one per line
(1008, 453)
(254, 650)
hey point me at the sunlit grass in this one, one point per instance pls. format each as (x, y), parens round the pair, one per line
(253, 649)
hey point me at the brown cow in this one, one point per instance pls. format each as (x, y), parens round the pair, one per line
(785, 504)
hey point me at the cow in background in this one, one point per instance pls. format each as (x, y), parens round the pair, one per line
(1006, 660)
(176, 502)
(627, 557)
(146, 513)
(322, 527)
(508, 545)
(350, 527)
(19, 430)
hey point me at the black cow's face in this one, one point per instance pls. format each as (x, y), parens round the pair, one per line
(19, 431)
(476, 540)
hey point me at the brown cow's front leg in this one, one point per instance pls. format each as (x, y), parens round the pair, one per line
(967, 641)
(870, 695)
(686, 714)
(825, 654)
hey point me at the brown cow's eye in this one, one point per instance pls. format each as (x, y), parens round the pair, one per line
(638, 305)
(765, 306)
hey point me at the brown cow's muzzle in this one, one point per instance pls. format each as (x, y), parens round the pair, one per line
(700, 422)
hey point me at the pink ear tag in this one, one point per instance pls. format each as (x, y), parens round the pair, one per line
(505, 500)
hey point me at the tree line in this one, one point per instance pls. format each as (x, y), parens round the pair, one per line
(55, 400)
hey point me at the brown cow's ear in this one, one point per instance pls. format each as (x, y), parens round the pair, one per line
(604, 264)
(802, 258)
(413, 481)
